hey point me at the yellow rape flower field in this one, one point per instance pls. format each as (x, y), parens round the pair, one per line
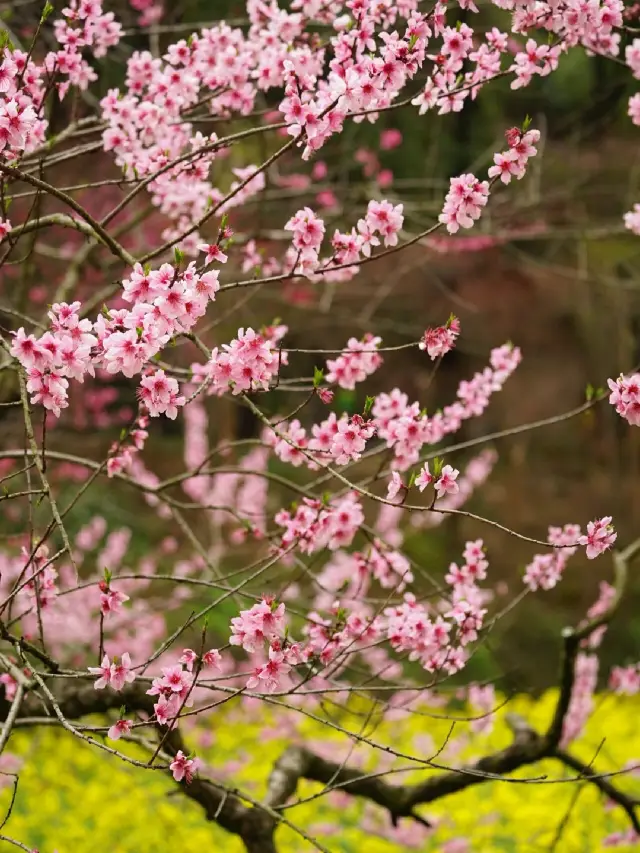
(73, 799)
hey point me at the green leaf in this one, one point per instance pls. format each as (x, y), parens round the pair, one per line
(368, 405)
(5, 41)
(48, 9)
(178, 254)
(318, 376)
(589, 392)
(107, 575)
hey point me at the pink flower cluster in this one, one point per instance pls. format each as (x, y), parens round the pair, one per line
(437, 635)
(632, 219)
(166, 303)
(446, 87)
(40, 577)
(174, 690)
(625, 680)
(362, 76)
(546, 570)
(382, 220)
(464, 202)
(121, 454)
(535, 59)
(513, 163)
(24, 83)
(249, 363)
(359, 360)
(475, 474)
(625, 392)
(111, 600)
(441, 340)
(334, 440)
(599, 537)
(264, 622)
(407, 429)
(183, 767)
(312, 525)
(351, 575)
(114, 674)
(581, 704)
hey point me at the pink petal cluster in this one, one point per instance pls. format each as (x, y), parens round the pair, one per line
(582, 703)
(166, 302)
(313, 525)
(407, 429)
(359, 360)
(268, 677)
(264, 622)
(632, 219)
(599, 537)
(464, 202)
(119, 728)
(249, 363)
(437, 635)
(446, 482)
(513, 162)
(625, 394)
(111, 600)
(546, 570)
(625, 680)
(174, 689)
(184, 768)
(334, 440)
(441, 340)
(114, 674)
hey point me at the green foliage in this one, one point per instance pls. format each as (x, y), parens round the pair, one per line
(74, 799)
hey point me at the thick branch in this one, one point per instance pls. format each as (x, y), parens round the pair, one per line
(528, 748)
(629, 804)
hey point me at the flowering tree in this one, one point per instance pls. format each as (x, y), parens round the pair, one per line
(347, 612)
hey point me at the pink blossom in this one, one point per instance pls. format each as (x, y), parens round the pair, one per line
(111, 600)
(121, 673)
(212, 659)
(121, 727)
(390, 138)
(213, 252)
(424, 478)
(183, 767)
(264, 621)
(268, 676)
(441, 340)
(599, 538)
(446, 483)
(395, 485)
(104, 673)
(464, 202)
